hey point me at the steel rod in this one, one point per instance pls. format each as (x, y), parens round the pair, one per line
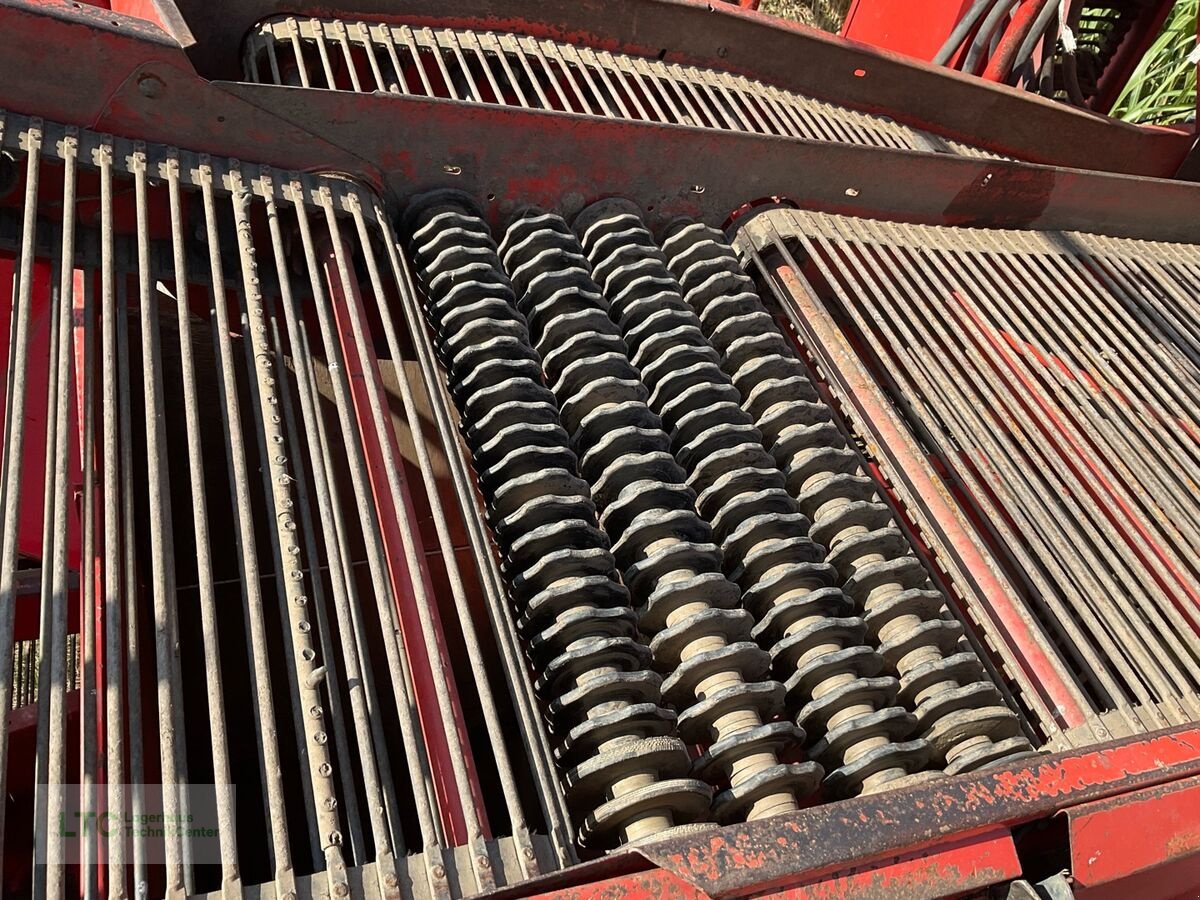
(214, 680)
(260, 676)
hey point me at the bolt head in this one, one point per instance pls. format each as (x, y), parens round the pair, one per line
(151, 86)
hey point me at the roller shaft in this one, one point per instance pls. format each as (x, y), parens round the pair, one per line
(959, 711)
(624, 768)
(715, 674)
(835, 684)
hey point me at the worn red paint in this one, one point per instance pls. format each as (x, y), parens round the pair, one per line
(951, 868)
(823, 841)
(422, 657)
(657, 884)
(1136, 833)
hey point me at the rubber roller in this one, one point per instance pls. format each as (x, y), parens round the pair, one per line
(835, 684)
(715, 674)
(625, 769)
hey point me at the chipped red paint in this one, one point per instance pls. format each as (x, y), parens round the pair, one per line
(774, 853)
(951, 868)
(944, 838)
(656, 884)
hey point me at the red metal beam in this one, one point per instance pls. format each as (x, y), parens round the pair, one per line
(112, 56)
(953, 868)
(505, 157)
(896, 838)
(774, 854)
(1153, 833)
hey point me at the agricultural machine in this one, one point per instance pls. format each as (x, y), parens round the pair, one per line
(594, 449)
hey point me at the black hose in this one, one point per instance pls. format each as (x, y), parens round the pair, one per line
(1045, 78)
(1040, 25)
(983, 37)
(1070, 64)
(962, 29)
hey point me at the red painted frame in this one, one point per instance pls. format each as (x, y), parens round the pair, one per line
(950, 836)
(896, 27)
(940, 839)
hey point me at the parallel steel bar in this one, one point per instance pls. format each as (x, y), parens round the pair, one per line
(57, 767)
(453, 573)
(349, 798)
(172, 737)
(114, 638)
(1032, 662)
(281, 504)
(47, 647)
(85, 310)
(1011, 447)
(431, 646)
(245, 542)
(10, 466)
(131, 592)
(418, 768)
(373, 750)
(1113, 487)
(1078, 639)
(214, 680)
(290, 673)
(1133, 440)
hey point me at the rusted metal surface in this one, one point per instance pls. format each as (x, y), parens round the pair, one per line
(951, 868)
(956, 868)
(657, 884)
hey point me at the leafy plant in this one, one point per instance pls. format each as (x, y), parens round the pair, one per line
(1163, 87)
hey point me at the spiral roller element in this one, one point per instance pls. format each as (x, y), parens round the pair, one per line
(715, 675)
(834, 682)
(625, 770)
(959, 710)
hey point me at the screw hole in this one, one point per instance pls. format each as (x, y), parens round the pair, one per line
(220, 118)
(491, 197)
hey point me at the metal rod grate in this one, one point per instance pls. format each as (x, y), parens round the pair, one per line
(534, 73)
(258, 560)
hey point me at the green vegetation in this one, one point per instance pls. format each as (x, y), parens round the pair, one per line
(1163, 87)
